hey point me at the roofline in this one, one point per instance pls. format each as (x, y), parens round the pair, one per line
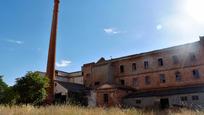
(68, 82)
(146, 53)
(152, 52)
(61, 71)
(75, 72)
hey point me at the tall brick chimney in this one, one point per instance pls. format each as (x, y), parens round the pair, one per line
(50, 73)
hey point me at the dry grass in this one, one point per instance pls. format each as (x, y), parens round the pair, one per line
(75, 110)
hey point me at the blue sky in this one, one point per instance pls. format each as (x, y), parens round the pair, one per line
(90, 29)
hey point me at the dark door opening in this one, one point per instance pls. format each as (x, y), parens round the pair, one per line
(105, 99)
(164, 103)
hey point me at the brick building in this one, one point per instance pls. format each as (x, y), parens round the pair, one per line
(68, 86)
(168, 77)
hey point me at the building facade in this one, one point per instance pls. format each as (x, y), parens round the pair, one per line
(166, 77)
(73, 77)
(68, 86)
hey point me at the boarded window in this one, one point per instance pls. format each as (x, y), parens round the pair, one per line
(122, 69)
(195, 73)
(160, 62)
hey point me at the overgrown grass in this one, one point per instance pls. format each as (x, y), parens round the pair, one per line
(76, 110)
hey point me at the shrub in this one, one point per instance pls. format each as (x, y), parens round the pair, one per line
(31, 88)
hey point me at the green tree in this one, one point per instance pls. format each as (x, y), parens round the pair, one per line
(3, 88)
(31, 88)
(9, 96)
(3, 85)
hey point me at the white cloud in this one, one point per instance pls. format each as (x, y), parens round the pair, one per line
(159, 27)
(63, 63)
(111, 31)
(15, 41)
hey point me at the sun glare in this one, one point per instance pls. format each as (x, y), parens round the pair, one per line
(195, 9)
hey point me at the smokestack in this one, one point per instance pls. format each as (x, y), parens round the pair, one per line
(50, 73)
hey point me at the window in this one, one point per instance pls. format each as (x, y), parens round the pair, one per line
(146, 64)
(184, 98)
(138, 101)
(160, 62)
(162, 78)
(56, 72)
(134, 67)
(178, 76)
(192, 57)
(122, 69)
(97, 83)
(88, 75)
(105, 98)
(175, 59)
(122, 82)
(195, 73)
(147, 80)
(195, 97)
(135, 82)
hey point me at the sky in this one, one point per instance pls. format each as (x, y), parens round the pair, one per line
(91, 29)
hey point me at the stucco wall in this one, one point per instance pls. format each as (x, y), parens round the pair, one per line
(92, 99)
(77, 80)
(173, 100)
(59, 89)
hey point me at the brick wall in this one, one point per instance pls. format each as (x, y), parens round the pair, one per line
(114, 97)
(93, 72)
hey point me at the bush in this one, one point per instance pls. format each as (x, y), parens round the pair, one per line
(31, 88)
(7, 94)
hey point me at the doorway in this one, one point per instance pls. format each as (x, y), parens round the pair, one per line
(164, 103)
(105, 99)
